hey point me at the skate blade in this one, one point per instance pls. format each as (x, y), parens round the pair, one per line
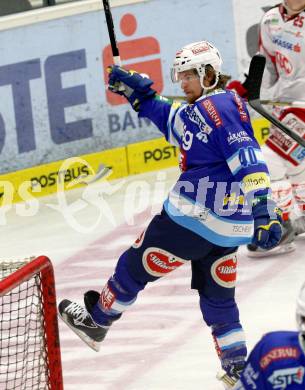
(223, 377)
(278, 250)
(95, 345)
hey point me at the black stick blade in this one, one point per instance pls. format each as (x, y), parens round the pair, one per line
(255, 76)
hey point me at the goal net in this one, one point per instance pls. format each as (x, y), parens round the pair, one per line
(29, 341)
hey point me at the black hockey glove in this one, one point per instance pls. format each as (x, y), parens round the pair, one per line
(267, 223)
(133, 86)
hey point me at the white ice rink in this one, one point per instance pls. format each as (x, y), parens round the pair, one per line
(161, 343)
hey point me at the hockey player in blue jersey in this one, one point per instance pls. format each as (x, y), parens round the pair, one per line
(222, 189)
(278, 359)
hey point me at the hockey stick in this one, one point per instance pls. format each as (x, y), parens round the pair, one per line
(297, 103)
(254, 79)
(102, 172)
(111, 32)
(267, 102)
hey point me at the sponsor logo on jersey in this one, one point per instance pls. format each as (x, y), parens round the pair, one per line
(242, 113)
(200, 212)
(245, 229)
(233, 199)
(195, 116)
(159, 262)
(278, 354)
(286, 45)
(283, 62)
(282, 43)
(282, 379)
(250, 376)
(107, 297)
(212, 112)
(138, 242)
(273, 21)
(255, 181)
(223, 270)
(239, 137)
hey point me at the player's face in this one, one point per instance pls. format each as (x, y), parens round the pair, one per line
(190, 84)
(295, 5)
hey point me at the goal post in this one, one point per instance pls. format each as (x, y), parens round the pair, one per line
(29, 338)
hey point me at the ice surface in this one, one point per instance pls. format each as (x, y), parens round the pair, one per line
(161, 343)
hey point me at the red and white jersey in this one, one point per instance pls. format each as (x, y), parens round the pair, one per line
(282, 40)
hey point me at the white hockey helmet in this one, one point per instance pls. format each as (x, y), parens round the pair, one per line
(196, 56)
(300, 315)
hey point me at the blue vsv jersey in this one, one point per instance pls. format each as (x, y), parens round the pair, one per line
(221, 162)
(276, 362)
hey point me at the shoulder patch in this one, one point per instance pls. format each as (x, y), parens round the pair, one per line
(241, 108)
(279, 353)
(212, 112)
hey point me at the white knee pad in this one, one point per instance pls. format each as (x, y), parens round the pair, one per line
(296, 176)
(283, 196)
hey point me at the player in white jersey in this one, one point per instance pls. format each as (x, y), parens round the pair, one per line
(282, 41)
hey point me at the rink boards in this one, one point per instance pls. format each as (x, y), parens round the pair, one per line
(74, 172)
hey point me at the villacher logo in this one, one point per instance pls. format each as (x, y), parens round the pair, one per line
(224, 270)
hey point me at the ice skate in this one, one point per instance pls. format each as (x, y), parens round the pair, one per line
(80, 321)
(286, 244)
(226, 379)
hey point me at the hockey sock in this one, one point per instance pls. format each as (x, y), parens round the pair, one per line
(230, 345)
(223, 317)
(113, 301)
(118, 294)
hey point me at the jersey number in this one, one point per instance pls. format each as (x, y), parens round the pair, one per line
(247, 156)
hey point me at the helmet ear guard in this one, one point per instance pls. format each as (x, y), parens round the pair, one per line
(197, 56)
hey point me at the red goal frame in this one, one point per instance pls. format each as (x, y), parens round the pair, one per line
(42, 265)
